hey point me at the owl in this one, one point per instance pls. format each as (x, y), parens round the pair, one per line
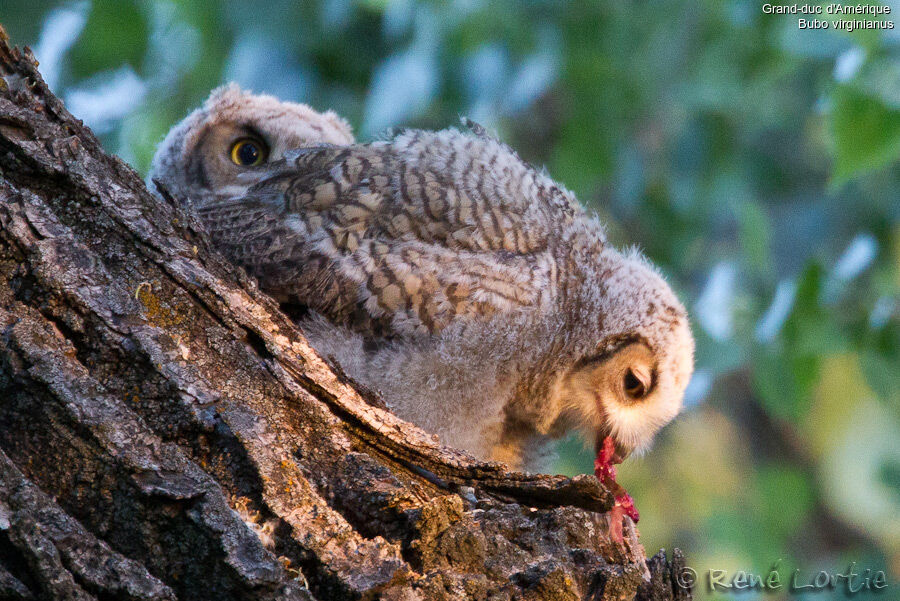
(441, 269)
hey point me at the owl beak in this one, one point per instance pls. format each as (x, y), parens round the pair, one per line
(622, 453)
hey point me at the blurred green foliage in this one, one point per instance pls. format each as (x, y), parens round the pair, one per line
(755, 162)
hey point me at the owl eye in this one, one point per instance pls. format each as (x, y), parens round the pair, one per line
(248, 152)
(636, 384)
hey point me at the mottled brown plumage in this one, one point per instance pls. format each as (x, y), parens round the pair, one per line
(415, 233)
(443, 270)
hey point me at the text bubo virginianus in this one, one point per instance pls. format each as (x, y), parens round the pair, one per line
(439, 268)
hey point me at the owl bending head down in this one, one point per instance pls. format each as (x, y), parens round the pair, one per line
(438, 267)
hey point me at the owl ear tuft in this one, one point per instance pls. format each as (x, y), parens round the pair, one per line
(224, 91)
(340, 125)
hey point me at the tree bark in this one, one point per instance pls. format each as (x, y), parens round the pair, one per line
(167, 433)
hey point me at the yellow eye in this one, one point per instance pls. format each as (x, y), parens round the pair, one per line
(248, 152)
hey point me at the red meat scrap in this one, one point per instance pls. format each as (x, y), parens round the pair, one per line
(605, 470)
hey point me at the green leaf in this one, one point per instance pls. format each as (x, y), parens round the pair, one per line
(755, 235)
(783, 384)
(115, 34)
(787, 497)
(866, 134)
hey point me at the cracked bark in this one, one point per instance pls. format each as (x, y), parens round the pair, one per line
(167, 433)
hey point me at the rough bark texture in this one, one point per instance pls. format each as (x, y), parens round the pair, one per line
(166, 433)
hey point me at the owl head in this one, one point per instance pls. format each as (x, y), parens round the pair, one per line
(630, 371)
(232, 132)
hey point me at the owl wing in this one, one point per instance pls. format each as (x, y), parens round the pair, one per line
(257, 236)
(402, 237)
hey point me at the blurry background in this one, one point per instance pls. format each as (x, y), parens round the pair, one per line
(756, 163)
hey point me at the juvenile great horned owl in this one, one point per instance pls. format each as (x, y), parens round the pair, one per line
(203, 156)
(439, 268)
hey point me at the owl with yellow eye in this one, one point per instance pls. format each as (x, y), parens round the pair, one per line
(228, 136)
(440, 268)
